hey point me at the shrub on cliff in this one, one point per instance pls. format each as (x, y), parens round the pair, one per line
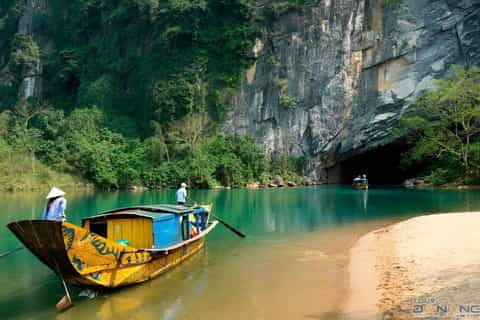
(444, 127)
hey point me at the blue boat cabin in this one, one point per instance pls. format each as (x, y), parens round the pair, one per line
(149, 227)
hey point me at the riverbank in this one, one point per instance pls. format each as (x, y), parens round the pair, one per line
(19, 173)
(426, 266)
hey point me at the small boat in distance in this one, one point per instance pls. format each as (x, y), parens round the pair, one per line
(119, 247)
(360, 183)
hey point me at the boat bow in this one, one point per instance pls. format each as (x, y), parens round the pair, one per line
(45, 240)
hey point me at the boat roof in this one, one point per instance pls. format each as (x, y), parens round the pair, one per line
(149, 211)
(165, 208)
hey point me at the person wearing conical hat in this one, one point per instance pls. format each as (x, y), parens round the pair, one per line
(56, 205)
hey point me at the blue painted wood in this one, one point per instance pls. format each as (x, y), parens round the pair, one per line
(166, 230)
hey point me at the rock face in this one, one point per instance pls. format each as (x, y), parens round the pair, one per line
(30, 75)
(31, 83)
(332, 78)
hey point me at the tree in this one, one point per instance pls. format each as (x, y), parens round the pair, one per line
(24, 136)
(25, 54)
(187, 133)
(158, 146)
(444, 124)
(27, 109)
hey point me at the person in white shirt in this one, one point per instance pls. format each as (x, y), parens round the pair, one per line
(182, 194)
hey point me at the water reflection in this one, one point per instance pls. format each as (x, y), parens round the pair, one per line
(243, 278)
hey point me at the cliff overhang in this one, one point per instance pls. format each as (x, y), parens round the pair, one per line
(331, 79)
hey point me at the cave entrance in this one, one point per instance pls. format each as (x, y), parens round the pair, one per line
(381, 165)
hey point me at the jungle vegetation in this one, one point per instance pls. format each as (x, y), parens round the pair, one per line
(443, 128)
(133, 92)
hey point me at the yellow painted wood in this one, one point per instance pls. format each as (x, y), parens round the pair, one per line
(138, 231)
(103, 262)
(89, 252)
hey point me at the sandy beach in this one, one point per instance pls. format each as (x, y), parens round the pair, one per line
(425, 267)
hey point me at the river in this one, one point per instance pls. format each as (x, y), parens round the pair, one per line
(292, 265)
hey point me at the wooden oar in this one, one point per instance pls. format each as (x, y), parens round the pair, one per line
(229, 227)
(66, 302)
(9, 252)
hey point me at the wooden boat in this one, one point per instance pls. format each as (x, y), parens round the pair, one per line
(118, 247)
(361, 185)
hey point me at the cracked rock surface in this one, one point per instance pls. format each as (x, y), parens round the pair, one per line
(351, 69)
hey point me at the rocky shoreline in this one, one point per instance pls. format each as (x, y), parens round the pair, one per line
(425, 267)
(272, 182)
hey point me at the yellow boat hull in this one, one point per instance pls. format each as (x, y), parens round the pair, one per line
(86, 259)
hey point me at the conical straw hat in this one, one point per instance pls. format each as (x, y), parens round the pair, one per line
(55, 192)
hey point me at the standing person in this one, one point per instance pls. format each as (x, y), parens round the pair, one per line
(357, 180)
(56, 206)
(182, 194)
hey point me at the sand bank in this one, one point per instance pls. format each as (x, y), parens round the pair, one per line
(426, 267)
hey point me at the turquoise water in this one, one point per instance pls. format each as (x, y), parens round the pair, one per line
(297, 241)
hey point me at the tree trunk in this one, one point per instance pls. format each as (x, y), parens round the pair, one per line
(33, 162)
(465, 154)
(167, 153)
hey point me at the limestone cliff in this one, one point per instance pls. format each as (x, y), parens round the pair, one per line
(32, 74)
(25, 69)
(331, 78)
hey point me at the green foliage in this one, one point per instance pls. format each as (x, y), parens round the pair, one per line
(63, 71)
(8, 95)
(185, 135)
(19, 145)
(272, 60)
(276, 9)
(25, 52)
(389, 2)
(107, 158)
(157, 146)
(10, 11)
(17, 173)
(156, 77)
(227, 160)
(444, 126)
(441, 176)
(286, 101)
(20, 53)
(238, 159)
(103, 91)
(288, 167)
(148, 59)
(173, 99)
(82, 144)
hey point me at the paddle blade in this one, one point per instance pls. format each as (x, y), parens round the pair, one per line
(64, 304)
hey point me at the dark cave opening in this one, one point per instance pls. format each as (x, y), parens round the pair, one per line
(381, 165)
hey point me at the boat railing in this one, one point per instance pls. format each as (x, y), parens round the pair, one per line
(202, 234)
